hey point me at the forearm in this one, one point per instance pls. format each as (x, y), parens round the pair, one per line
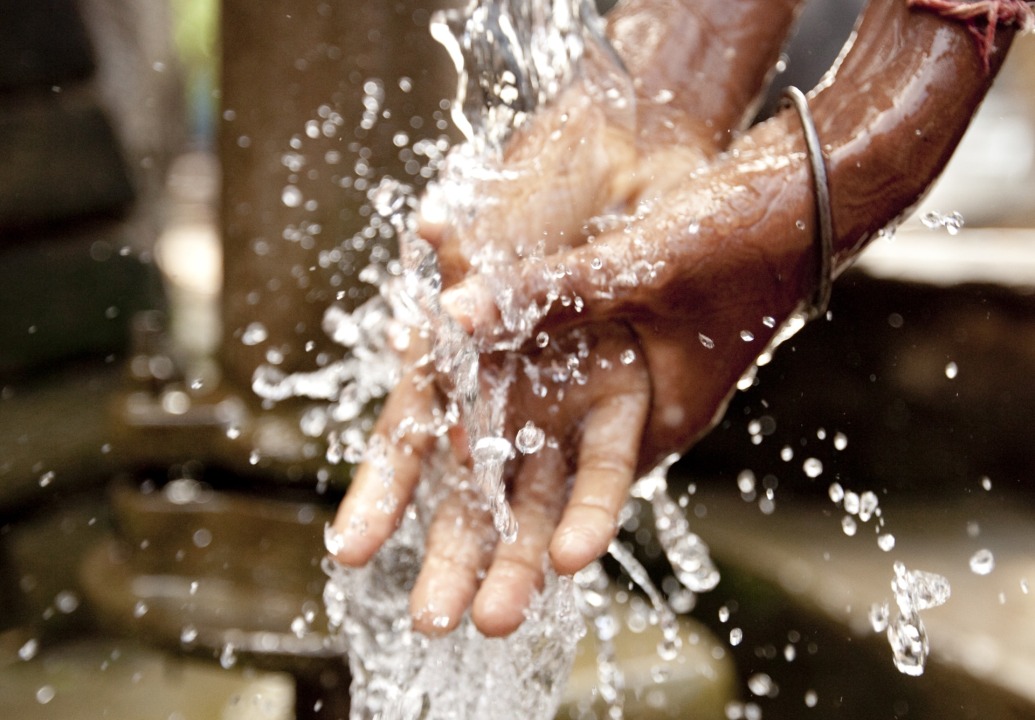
(894, 112)
(888, 121)
(708, 59)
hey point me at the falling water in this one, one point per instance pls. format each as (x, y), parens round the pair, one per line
(512, 58)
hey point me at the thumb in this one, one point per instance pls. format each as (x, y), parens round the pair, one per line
(512, 303)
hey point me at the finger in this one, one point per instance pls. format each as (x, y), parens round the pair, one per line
(586, 272)
(704, 61)
(458, 549)
(606, 467)
(517, 568)
(516, 210)
(384, 482)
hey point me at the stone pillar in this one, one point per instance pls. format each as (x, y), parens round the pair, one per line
(320, 99)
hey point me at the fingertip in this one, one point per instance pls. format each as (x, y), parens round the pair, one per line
(438, 602)
(350, 539)
(471, 304)
(582, 537)
(429, 621)
(433, 215)
(500, 605)
(495, 616)
(459, 303)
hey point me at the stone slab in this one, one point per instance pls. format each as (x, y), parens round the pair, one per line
(42, 43)
(61, 161)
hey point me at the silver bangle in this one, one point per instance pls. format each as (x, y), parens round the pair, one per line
(821, 188)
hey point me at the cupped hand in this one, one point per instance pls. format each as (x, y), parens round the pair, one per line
(674, 247)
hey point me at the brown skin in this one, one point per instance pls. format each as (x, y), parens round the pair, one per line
(728, 230)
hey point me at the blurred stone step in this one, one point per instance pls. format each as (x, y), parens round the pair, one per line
(798, 562)
(104, 679)
(61, 161)
(70, 295)
(42, 43)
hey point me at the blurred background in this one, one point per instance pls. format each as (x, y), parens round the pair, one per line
(182, 186)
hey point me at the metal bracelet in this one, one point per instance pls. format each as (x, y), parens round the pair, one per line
(824, 216)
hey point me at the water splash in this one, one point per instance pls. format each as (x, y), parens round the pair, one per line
(686, 552)
(401, 674)
(914, 590)
(512, 57)
(951, 222)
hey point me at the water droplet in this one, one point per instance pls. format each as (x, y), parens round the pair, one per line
(786, 453)
(188, 634)
(228, 656)
(45, 694)
(761, 685)
(851, 502)
(706, 341)
(492, 450)
(47, 478)
(920, 589)
(840, 441)
(879, 615)
(724, 614)
(836, 492)
(769, 321)
(29, 649)
(202, 538)
(746, 481)
(668, 647)
(952, 223)
(747, 335)
(986, 483)
(811, 698)
(542, 339)
(867, 506)
(951, 370)
(694, 227)
(736, 636)
(660, 673)
(812, 467)
(849, 525)
(291, 196)
(140, 609)
(530, 438)
(886, 542)
(982, 562)
(66, 602)
(663, 96)
(254, 334)
(628, 356)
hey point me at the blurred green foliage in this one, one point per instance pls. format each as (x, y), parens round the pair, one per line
(196, 33)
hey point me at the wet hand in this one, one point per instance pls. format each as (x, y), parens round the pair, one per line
(674, 237)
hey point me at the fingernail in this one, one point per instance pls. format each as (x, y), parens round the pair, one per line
(347, 540)
(459, 303)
